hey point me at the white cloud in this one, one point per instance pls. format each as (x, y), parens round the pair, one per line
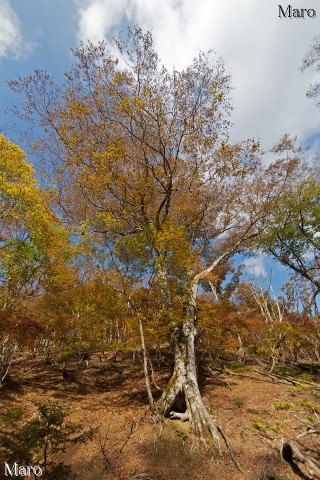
(261, 51)
(97, 18)
(11, 38)
(255, 266)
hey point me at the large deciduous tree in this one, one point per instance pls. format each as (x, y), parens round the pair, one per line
(32, 241)
(293, 234)
(312, 60)
(143, 163)
(32, 250)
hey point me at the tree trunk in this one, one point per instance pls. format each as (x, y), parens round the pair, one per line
(181, 398)
(145, 369)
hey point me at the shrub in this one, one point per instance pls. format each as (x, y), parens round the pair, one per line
(284, 406)
(311, 406)
(38, 441)
(12, 414)
(259, 425)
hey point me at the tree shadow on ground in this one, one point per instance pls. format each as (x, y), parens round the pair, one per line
(82, 381)
(297, 470)
(11, 389)
(270, 467)
(173, 455)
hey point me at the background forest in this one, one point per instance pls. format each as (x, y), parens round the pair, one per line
(129, 242)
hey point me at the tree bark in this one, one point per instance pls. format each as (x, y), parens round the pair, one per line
(181, 398)
(145, 369)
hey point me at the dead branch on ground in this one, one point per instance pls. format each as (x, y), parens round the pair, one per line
(287, 379)
(290, 452)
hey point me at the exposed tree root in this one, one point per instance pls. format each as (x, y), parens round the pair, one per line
(232, 453)
(291, 452)
(182, 398)
(184, 417)
(204, 425)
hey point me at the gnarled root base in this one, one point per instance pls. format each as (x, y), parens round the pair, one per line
(185, 403)
(182, 399)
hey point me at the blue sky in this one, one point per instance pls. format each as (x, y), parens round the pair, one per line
(261, 51)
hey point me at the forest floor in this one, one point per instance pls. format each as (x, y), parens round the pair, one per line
(256, 412)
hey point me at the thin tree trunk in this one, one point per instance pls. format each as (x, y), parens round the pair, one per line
(145, 368)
